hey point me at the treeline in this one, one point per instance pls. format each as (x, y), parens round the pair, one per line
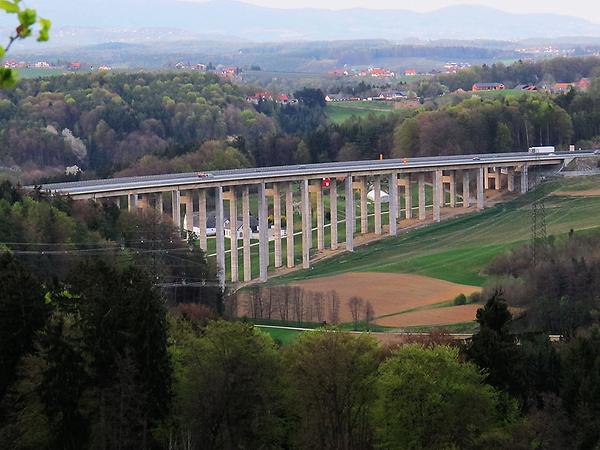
(104, 122)
(563, 70)
(53, 236)
(556, 284)
(96, 361)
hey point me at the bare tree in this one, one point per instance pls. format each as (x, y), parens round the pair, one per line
(298, 303)
(369, 314)
(318, 309)
(356, 305)
(334, 308)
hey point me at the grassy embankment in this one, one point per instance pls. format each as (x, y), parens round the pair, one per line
(458, 250)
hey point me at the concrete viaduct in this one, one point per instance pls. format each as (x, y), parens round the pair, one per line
(472, 174)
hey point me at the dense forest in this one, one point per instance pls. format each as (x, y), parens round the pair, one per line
(143, 123)
(95, 354)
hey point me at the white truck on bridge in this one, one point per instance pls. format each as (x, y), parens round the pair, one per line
(546, 149)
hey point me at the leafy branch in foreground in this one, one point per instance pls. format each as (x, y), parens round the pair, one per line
(27, 18)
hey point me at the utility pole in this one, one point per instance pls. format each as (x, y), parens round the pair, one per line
(539, 234)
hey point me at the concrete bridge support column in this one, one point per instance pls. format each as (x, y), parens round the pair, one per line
(277, 224)
(510, 177)
(176, 207)
(438, 185)
(306, 223)
(486, 178)
(364, 219)
(263, 232)
(466, 193)
(320, 217)
(408, 197)
(497, 179)
(233, 236)
(246, 232)
(524, 179)
(377, 201)
(202, 219)
(422, 210)
(393, 203)
(188, 201)
(480, 188)
(452, 183)
(220, 236)
(131, 202)
(438, 194)
(289, 224)
(158, 204)
(333, 212)
(350, 221)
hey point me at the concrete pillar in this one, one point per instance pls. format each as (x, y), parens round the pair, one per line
(438, 192)
(202, 219)
(306, 225)
(497, 179)
(159, 204)
(189, 210)
(233, 236)
(510, 179)
(246, 232)
(220, 235)
(408, 197)
(422, 211)
(176, 208)
(481, 177)
(393, 203)
(364, 219)
(452, 189)
(486, 178)
(263, 232)
(333, 213)
(117, 202)
(131, 202)
(466, 193)
(377, 201)
(524, 179)
(289, 224)
(439, 185)
(277, 224)
(320, 217)
(349, 192)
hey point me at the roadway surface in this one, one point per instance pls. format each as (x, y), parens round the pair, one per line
(270, 174)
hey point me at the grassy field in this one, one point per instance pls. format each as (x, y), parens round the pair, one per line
(457, 250)
(339, 112)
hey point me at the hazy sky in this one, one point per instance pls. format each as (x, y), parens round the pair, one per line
(589, 9)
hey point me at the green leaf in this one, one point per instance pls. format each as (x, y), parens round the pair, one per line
(44, 34)
(9, 7)
(2, 52)
(8, 78)
(27, 17)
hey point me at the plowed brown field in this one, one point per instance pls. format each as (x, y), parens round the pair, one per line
(391, 294)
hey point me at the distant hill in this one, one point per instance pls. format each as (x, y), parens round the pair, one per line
(233, 19)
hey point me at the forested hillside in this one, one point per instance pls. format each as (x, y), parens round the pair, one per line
(144, 123)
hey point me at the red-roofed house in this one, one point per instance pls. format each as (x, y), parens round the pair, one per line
(410, 72)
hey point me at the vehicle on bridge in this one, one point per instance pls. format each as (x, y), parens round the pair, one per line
(542, 150)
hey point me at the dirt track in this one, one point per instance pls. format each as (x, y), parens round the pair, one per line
(394, 293)
(586, 193)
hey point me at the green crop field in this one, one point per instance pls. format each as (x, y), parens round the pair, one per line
(458, 249)
(339, 112)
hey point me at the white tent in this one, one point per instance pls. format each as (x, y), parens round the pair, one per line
(384, 196)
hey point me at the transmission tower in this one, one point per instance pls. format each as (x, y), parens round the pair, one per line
(539, 234)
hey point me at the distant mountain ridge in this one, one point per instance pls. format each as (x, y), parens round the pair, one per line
(238, 20)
